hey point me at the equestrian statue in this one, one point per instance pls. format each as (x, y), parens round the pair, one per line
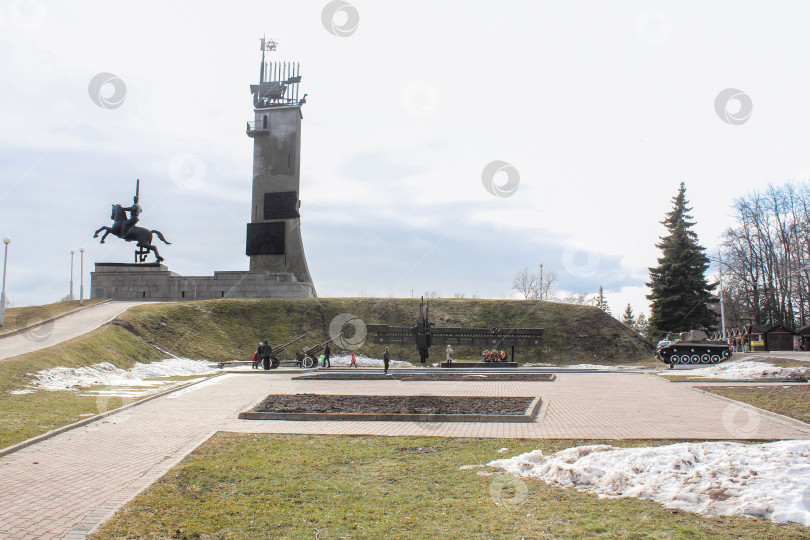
(126, 229)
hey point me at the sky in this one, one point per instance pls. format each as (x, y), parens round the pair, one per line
(446, 145)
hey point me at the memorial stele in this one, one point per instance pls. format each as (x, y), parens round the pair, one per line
(278, 265)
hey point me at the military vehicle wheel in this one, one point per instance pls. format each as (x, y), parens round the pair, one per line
(694, 359)
(726, 354)
(715, 359)
(674, 359)
(704, 358)
(307, 362)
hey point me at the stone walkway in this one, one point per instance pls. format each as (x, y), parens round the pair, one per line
(69, 484)
(67, 327)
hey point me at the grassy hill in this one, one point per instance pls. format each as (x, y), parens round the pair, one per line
(225, 329)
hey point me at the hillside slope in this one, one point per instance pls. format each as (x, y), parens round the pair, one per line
(225, 329)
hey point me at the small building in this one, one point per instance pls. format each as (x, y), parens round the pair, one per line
(778, 338)
(763, 337)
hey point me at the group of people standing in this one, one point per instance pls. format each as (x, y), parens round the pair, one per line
(263, 356)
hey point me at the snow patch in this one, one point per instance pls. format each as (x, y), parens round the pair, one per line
(749, 369)
(105, 373)
(586, 366)
(712, 478)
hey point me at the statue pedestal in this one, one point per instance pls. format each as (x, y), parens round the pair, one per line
(155, 282)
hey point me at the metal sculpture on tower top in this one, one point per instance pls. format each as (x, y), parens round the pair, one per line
(125, 227)
(278, 81)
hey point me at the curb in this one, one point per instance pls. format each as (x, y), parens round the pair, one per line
(45, 436)
(52, 319)
(776, 416)
(528, 416)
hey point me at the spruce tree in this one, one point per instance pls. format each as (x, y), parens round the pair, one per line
(601, 302)
(628, 318)
(681, 297)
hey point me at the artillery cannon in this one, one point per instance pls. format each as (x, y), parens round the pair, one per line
(274, 360)
(307, 358)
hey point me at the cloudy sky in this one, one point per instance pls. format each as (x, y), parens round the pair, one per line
(599, 110)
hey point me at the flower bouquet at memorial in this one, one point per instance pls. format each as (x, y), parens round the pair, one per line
(494, 356)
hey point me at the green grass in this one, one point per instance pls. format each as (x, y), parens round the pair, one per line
(20, 317)
(792, 401)
(686, 378)
(305, 486)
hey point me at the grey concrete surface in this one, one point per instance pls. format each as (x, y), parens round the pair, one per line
(69, 327)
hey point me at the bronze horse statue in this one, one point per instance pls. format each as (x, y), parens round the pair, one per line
(141, 235)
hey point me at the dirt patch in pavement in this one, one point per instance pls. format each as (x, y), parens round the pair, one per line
(339, 404)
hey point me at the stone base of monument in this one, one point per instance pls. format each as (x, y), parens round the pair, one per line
(154, 281)
(479, 365)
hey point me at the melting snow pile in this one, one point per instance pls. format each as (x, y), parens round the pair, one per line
(749, 369)
(345, 360)
(712, 478)
(585, 366)
(63, 378)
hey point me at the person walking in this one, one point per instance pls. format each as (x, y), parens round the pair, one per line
(449, 354)
(326, 353)
(354, 361)
(386, 360)
(266, 353)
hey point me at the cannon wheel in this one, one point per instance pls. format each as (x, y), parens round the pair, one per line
(307, 362)
(274, 363)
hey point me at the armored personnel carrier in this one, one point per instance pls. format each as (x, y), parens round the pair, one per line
(693, 347)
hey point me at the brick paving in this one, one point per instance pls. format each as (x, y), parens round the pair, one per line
(66, 486)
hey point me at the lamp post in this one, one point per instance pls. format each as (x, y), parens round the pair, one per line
(72, 251)
(81, 276)
(541, 281)
(722, 308)
(6, 241)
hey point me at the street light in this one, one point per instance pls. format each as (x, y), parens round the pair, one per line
(81, 276)
(72, 251)
(541, 281)
(6, 241)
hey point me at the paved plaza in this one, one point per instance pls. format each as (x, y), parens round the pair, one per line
(66, 485)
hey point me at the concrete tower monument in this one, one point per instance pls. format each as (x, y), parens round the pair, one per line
(274, 241)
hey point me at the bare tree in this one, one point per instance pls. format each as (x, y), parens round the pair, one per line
(549, 291)
(526, 283)
(766, 258)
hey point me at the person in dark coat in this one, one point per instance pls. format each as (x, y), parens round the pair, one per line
(386, 360)
(266, 353)
(326, 352)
